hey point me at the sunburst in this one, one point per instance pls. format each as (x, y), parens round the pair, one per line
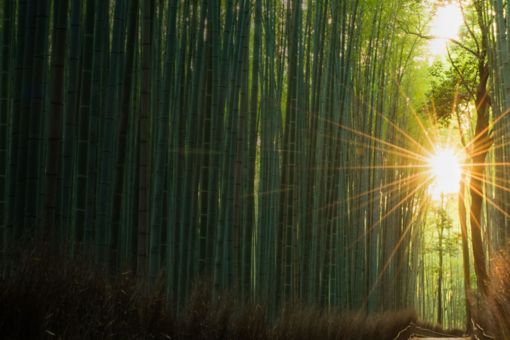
(445, 170)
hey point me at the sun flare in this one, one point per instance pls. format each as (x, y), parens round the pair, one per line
(444, 25)
(445, 170)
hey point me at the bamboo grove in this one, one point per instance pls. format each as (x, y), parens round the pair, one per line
(257, 144)
(499, 61)
(494, 17)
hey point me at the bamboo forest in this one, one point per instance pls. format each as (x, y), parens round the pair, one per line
(254, 169)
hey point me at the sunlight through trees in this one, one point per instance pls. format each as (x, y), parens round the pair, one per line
(290, 152)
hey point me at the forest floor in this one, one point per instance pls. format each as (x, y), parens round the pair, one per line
(52, 295)
(418, 331)
(420, 338)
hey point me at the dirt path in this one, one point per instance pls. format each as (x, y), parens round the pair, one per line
(419, 338)
(416, 332)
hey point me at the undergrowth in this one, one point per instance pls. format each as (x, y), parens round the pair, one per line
(46, 296)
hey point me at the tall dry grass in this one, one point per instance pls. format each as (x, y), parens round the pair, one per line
(47, 296)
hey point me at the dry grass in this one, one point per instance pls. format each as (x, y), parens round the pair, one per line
(314, 324)
(45, 296)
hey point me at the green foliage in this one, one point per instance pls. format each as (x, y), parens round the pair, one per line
(441, 260)
(452, 87)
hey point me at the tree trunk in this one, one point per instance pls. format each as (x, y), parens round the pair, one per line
(465, 253)
(479, 149)
(55, 122)
(143, 142)
(481, 145)
(440, 275)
